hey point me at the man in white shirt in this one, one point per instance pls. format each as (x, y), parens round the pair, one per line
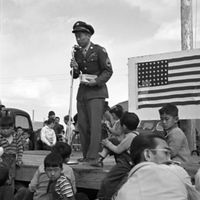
(48, 136)
(149, 179)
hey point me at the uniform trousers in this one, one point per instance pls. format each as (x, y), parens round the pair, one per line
(90, 113)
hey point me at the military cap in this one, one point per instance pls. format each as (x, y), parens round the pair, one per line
(80, 26)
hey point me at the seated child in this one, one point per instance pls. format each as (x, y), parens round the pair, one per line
(40, 180)
(116, 134)
(116, 129)
(59, 186)
(25, 136)
(48, 136)
(175, 137)
(129, 122)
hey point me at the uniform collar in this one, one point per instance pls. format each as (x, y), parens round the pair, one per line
(87, 47)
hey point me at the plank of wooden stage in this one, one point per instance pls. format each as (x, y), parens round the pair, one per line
(86, 176)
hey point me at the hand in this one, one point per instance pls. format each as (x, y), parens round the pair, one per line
(105, 142)
(74, 64)
(91, 83)
(19, 163)
(108, 124)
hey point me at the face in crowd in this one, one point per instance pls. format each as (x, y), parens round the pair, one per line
(160, 154)
(168, 121)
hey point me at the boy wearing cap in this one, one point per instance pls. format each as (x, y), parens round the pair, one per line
(90, 59)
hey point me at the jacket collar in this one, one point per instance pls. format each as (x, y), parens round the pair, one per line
(140, 165)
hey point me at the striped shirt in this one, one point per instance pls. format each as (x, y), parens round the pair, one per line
(15, 147)
(63, 187)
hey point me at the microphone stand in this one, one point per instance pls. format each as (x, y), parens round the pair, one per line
(75, 47)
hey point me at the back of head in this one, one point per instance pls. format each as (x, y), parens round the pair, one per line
(63, 149)
(140, 143)
(53, 160)
(130, 120)
(118, 110)
(51, 114)
(106, 106)
(2, 107)
(169, 109)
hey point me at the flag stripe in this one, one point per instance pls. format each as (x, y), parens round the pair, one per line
(185, 58)
(170, 96)
(170, 93)
(184, 70)
(183, 81)
(184, 73)
(170, 89)
(174, 102)
(185, 66)
(185, 84)
(183, 77)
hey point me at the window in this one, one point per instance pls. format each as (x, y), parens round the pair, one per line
(22, 121)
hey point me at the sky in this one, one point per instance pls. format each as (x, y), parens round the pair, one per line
(36, 41)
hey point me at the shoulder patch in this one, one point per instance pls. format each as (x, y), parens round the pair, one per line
(108, 63)
(104, 50)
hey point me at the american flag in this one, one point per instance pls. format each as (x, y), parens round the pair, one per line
(175, 80)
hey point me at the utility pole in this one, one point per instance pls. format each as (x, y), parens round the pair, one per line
(186, 25)
(187, 44)
(33, 115)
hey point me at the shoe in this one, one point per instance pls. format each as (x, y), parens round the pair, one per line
(97, 163)
(104, 153)
(82, 159)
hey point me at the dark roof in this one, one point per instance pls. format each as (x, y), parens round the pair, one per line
(17, 111)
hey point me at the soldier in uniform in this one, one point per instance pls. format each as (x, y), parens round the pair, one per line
(90, 59)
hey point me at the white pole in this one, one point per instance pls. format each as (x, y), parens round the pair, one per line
(186, 25)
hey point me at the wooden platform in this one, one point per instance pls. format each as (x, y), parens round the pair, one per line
(86, 176)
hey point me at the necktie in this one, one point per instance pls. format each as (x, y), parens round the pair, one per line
(84, 52)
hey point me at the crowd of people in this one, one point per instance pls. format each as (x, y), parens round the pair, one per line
(147, 166)
(141, 159)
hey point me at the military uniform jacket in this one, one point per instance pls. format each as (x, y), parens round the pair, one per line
(95, 62)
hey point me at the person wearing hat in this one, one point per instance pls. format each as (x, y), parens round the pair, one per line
(92, 64)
